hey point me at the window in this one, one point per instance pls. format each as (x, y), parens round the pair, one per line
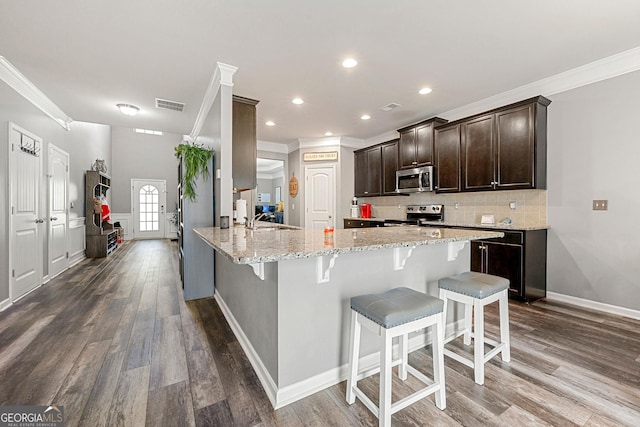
(149, 208)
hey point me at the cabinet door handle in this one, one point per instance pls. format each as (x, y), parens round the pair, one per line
(53, 218)
(414, 163)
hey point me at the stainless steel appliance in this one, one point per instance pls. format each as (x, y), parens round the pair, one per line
(415, 180)
(422, 214)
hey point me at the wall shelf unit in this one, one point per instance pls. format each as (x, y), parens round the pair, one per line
(102, 238)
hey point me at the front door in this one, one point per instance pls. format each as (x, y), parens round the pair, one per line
(58, 195)
(27, 227)
(148, 206)
(320, 196)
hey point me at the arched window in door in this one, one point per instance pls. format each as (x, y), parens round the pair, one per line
(149, 208)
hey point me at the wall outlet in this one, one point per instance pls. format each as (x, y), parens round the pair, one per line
(600, 205)
(513, 205)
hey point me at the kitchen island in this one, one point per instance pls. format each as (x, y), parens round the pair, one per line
(285, 292)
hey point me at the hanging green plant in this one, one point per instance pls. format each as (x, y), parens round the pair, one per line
(196, 163)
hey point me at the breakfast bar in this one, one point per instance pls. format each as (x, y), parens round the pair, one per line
(285, 292)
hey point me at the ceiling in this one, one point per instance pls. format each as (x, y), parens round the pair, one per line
(88, 56)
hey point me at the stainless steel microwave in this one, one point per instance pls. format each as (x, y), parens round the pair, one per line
(415, 180)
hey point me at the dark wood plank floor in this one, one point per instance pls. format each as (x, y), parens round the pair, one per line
(113, 341)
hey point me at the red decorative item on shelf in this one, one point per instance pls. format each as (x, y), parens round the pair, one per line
(365, 210)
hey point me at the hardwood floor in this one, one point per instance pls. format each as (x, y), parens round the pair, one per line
(113, 341)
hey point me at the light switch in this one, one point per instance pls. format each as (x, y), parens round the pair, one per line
(600, 205)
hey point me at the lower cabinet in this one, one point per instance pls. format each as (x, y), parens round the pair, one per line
(520, 256)
(362, 223)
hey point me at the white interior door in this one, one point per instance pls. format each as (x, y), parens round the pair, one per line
(58, 174)
(320, 196)
(148, 206)
(27, 226)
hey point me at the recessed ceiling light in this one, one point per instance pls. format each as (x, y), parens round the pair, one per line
(424, 90)
(349, 63)
(328, 133)
(365, 117)
(297, 101)
(127, 109)
(269, 123)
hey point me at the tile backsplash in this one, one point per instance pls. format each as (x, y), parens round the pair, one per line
(468, 208)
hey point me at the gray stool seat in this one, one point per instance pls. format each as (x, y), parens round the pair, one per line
(397, 306)
(474, 284)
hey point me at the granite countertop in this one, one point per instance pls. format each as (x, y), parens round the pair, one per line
(268, 244)
(497, 225)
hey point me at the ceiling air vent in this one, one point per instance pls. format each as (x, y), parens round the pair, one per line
(169, 105)
(390, 106)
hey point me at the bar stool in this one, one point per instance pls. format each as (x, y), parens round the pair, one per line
(392, 314)
(475, 290)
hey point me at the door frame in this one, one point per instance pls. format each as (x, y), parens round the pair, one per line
(307, 168)
(135, 220)
(50, 148)
(40, 253)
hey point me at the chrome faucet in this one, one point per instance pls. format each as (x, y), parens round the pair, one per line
(250, 223)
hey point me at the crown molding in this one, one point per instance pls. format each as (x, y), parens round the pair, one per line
(21, 84)
(223, 75)
(273, 147)
(602, 69)
(333, 141)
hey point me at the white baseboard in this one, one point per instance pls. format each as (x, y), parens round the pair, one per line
(5, 304)
(280, 397)
(595, 305)
(268, 384)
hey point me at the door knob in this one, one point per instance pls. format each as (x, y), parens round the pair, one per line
(39, 221)
(53, 218)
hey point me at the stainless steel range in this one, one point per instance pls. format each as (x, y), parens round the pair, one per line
(425, 213)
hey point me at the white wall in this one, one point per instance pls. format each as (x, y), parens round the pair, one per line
(136, 155)
(593, 153)
(84, 142)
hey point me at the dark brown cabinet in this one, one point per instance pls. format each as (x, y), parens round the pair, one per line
(375, 169)
(362, 223)
(367, 172)
(519, 256)
(505, 149)
(447, 158)
(415, 147)
(389, 152)
(245, 143)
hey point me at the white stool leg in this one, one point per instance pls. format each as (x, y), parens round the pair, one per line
(443, 330)
(404, 355)
(504, 326)
(438, 363)
(467, 323)
(478, 341)
(354, 355)
(384, 416)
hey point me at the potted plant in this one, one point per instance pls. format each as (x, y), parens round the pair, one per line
(196, 163)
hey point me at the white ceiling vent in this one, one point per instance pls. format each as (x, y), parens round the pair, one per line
(390, 106)
(169, 105)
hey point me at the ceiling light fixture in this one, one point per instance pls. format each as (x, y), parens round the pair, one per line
(328, 133)
(424, 91)
(365, 117)
(297, 101)
(269, 123)
(349, 63)
(127, 109)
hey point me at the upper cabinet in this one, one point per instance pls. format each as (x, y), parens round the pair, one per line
(502, 149)
(389, 164)
(415, 147)
(447, 158)
(367, 164)
(375, 169)
(245, 143)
